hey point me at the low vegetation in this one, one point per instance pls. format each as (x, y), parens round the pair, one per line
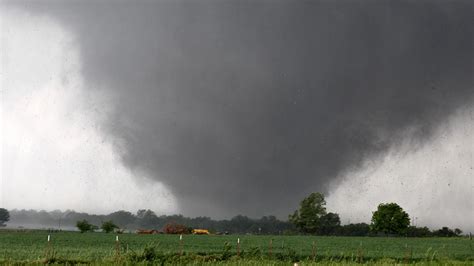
(85, 226)
(108, 226)
(74, 247)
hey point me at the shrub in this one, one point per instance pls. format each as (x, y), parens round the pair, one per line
(108, 226)
(85, 226)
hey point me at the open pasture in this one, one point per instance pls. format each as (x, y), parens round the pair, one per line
(30, 246)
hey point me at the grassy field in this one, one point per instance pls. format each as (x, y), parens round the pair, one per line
(73, 247)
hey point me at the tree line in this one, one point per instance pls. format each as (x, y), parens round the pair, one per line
(388, 220)
(310, 218)
(147, 219)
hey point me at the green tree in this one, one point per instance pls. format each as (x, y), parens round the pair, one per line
(108, 226)
(4, 217)
(85, 226)
(308, 218)
(390, 218)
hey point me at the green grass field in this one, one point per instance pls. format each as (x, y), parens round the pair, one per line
(32, 246)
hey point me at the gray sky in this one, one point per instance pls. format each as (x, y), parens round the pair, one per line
(245, 107)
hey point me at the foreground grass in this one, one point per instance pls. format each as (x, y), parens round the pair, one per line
(246, 262)
(31, 247)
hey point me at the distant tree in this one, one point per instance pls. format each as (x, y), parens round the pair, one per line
(447, 232)
(85, 226)
(308, 218)
(418, 231)
(241, 224)
(147, 219)
(359, 229)
(122, 218)
(329, 224)
(108, 226)
(4, 217)
(457, 231)
(267, 225)
(141, 213)
(390, 218)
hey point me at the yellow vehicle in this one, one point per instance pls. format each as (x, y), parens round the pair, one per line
(200, 232)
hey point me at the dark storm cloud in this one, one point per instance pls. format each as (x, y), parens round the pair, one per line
(247, 106)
